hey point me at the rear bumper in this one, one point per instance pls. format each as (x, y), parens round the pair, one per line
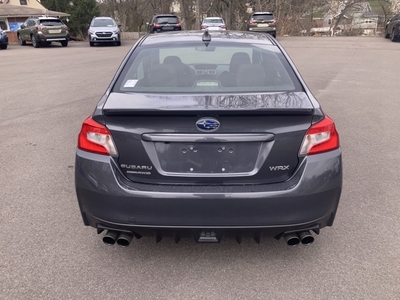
(309, 199)
(43, 38)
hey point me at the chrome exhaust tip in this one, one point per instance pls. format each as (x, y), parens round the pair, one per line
(110, 237)
(124, 239)
(306, 238)
(292, 239)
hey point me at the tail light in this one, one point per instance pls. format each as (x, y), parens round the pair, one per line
(156, 25)
(252, 22)
(273, 22)
(39, 28)
(321, 137)
(178, 24)
(222, 26)
(204, 26)
(95, 137)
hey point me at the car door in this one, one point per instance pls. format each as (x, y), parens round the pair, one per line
(23, 30)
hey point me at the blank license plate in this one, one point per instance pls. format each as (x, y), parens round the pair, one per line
(54, 30)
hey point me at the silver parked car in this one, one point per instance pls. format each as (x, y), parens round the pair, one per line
(104, 30)
(208, 135)
(213, 23)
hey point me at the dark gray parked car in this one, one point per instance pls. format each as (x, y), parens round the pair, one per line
(208, 135)
(392, 28)
(3, 39)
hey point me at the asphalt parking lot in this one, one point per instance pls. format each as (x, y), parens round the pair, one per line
(47, 253)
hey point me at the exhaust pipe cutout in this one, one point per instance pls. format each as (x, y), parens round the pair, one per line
(292, 239)
(306, 238)
(124, 239)
(110, 237)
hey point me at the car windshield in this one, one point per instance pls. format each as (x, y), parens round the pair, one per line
(164, 20)
(263, 17)
(210, 21)
(53, 22)
(103, 23)
(220, 68)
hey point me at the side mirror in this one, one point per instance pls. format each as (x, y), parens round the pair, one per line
(22, 26)
(119, 25)
(87, 26)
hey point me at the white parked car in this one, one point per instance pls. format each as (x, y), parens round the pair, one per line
(213, 23)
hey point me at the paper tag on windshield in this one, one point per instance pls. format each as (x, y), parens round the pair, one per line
(130, 83)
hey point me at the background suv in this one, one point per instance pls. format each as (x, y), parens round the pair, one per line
(43, 30)
(392, 29)
(160, 23)
(262, 22)
(104, 30)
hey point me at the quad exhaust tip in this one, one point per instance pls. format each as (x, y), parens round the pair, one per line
(295, 238)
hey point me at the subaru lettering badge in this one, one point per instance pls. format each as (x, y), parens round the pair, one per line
(207, 124)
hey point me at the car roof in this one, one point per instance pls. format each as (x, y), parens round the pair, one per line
(227, 36)
(263, 13)
(102, 18)
(164, 15)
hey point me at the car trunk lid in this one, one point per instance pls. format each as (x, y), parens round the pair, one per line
(217, 139)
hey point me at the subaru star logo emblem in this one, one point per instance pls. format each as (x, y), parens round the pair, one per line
(207, 124)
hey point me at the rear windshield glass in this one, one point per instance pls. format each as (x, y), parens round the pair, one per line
(220, 68)
(103, 23)
(54, 22)
(165, 20)
(213, 21)
(264, 17)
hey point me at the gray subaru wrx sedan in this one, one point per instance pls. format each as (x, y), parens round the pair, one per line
(208, 135)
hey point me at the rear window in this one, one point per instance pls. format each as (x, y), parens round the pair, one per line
(220, 68)
(263, 17)
(209, 21)
(165, 20)
(53, 22)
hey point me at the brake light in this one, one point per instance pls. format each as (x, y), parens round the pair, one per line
(321, 137)
(156, 25)
(252, 22)
(39, 28)
(95, 137)
(204, 26)
(222, 26)
(273, 22)
(177, 24)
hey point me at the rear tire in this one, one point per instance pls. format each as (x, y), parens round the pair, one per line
(21, 41)
(64, 43)
(35, 43)
(393, 37)
(118, 43)
(3, 46)
(91, 44)
(387, 35)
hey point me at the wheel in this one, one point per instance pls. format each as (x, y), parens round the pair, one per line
(91, 44)
(386, 35)
(3, 46)
(21, 41)
(64, 43)
(48, 43)
(119, 43)
(35, 43)
(393, 37)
